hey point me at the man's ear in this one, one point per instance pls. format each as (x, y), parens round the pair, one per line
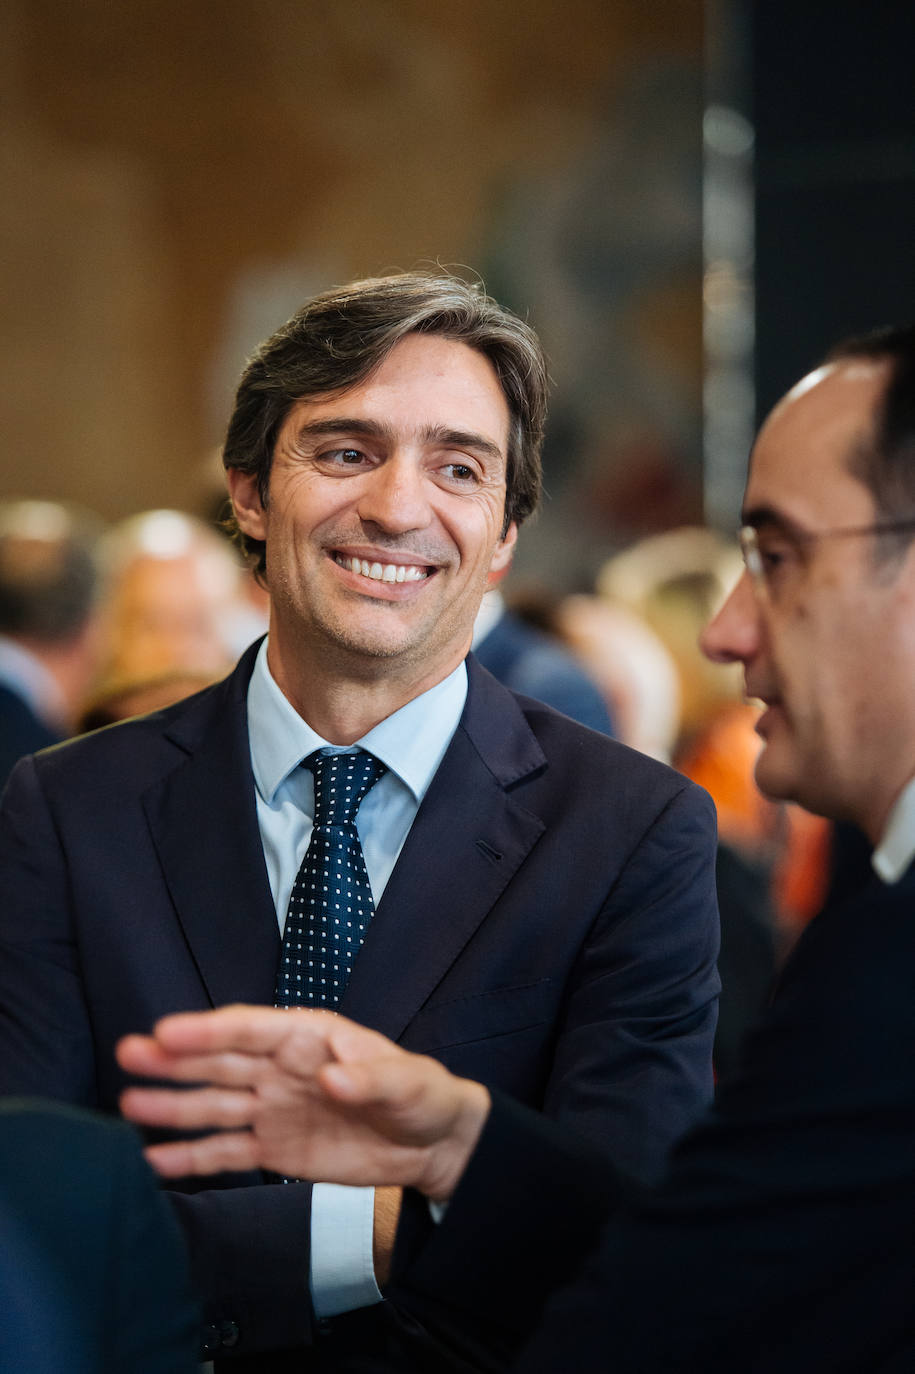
(246, 502)
(503, 554)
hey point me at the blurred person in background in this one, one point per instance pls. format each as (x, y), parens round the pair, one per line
(630, 664)
(769, 856)
(535, 663)
(49, 632)
(178, 607)
(675, 581)
(176, 598)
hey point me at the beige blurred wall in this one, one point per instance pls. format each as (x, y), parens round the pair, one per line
(177, 174)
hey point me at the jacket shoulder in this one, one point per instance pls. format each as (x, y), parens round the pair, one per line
(142, 747)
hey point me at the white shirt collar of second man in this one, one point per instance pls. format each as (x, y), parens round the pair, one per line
(896, 849)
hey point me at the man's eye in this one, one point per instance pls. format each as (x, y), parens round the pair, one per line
(776, 557)
(460, 472)
(344, 457)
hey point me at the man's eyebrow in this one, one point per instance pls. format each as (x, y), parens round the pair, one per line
(342, 424)
(767, 517)
(373, 429)
(462, 438)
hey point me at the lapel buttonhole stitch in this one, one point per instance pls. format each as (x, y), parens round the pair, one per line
(488, 850)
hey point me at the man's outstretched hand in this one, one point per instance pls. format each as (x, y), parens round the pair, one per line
(303, 1093)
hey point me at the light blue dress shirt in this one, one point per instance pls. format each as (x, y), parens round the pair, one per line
(411, 743)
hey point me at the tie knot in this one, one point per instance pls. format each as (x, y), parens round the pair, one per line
(341, 783)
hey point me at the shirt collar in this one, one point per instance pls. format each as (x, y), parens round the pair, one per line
(896, 849)
(411, 742)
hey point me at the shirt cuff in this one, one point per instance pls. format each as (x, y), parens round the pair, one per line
(342, 1268)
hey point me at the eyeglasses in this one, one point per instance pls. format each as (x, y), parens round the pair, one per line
(770, 553)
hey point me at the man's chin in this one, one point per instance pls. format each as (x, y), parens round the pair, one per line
(775, 777)
(784, 780)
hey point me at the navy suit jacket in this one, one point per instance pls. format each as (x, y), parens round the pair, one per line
(550, 928)
(781, 1241)
(93, 1275)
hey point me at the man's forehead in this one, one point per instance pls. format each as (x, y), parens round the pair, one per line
(800, 465)
(423, 367)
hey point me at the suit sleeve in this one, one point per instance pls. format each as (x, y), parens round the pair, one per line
(781, 1236)
(46, 1042)
(249, 1245)
(632, 1067)
(529, 1208)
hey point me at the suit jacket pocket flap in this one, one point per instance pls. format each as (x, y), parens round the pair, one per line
(480, 1016)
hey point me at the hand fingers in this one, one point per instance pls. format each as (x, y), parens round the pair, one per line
(232, 1152)
(141, 1054)
(251, 1030)
(188, 1109)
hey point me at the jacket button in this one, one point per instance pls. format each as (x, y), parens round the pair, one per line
(211, 1340)
(228, 1335)
(220, 1336)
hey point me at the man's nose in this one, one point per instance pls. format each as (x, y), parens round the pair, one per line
(733, 634)
(395, 495)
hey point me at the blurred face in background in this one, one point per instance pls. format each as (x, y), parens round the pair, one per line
(175, 600)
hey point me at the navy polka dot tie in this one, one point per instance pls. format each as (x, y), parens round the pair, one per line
(331, 902)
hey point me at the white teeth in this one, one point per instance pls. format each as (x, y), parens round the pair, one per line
(383, 572)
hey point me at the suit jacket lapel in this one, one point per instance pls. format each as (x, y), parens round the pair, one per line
(203, 821)
(469, 838)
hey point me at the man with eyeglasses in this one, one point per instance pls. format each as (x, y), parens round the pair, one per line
(783, 1238)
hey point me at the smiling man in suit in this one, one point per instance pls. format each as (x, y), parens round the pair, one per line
(529, 902)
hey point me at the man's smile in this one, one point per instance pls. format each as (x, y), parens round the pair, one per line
(383, 572)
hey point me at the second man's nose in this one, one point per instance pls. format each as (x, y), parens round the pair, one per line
(733, 634)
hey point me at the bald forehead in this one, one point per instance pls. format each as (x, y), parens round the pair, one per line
(848, 382)
(830, 406)
(802, 460)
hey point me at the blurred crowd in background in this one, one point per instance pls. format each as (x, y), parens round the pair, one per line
(101, 623)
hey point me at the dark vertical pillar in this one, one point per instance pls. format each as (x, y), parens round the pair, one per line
(833, 96)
